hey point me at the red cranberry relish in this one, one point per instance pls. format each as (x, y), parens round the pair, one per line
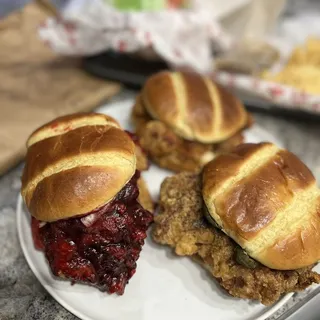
(103, 253)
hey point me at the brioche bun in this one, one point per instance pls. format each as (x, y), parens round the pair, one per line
(195, 107)
(76, 164)
(268, 202)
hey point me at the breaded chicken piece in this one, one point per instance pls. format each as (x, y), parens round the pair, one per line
(172, 152)
(181, 225)
(144, 198)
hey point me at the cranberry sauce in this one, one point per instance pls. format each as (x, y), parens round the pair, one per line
(104, 253)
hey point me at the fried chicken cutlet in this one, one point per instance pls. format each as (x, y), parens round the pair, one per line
(169, 150)
(181, 225)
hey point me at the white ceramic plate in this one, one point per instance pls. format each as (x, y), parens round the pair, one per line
(165, 286)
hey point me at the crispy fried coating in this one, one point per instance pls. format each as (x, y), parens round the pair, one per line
(145, 198)
(181, 225)
(172, 152)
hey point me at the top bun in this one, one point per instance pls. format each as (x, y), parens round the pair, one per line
(75, 164)
(266, 200)
(193, 106)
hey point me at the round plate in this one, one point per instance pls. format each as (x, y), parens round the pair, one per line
(165, 286)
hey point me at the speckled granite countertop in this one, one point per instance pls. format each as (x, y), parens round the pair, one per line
(21, 295)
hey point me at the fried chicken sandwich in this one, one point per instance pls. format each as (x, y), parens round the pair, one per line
(81, 185)
(251, 218)
(184, 119)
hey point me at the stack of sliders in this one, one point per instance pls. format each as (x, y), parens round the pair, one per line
(251, 219)
(81, 185)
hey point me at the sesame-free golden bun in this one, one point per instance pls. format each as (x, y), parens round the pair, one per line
(195, 107)
(267, 201)
(75, 164)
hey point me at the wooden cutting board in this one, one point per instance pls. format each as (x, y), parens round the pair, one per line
(37, 85)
